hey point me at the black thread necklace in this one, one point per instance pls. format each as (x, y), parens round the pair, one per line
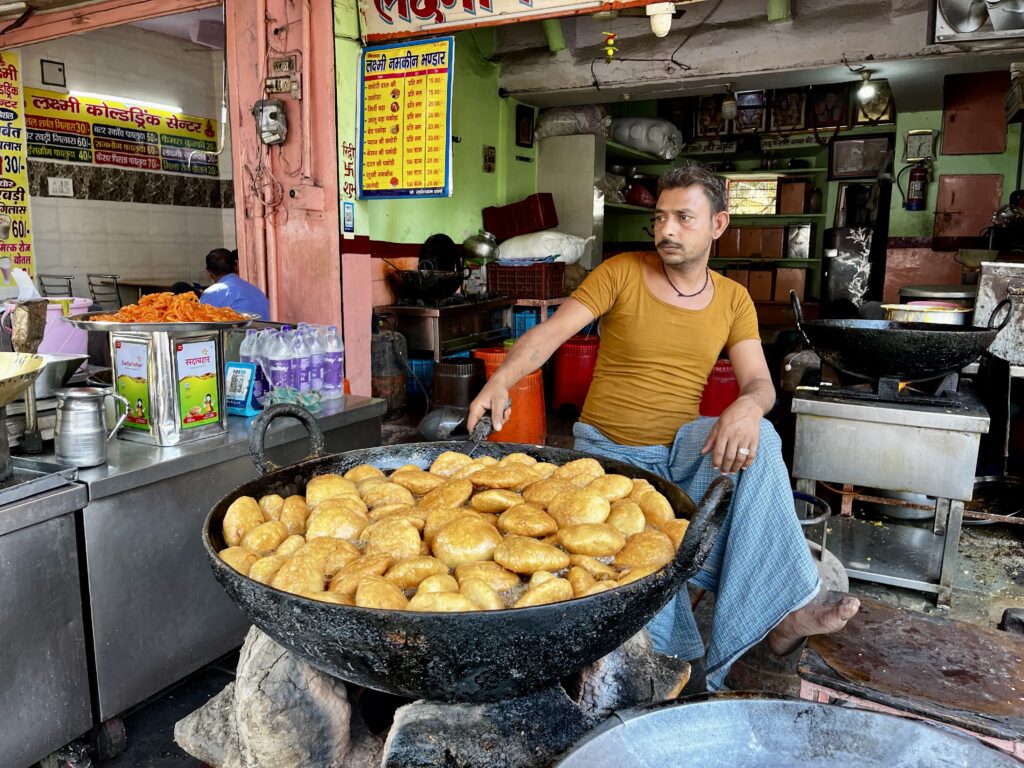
(680, 294)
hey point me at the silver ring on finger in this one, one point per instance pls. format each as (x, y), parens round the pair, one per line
(743, 451)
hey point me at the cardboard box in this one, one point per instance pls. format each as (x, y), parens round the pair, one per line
(759, 284)
(750, 243)
(729, 244)
(787, 280)
(773, 242)
(794, 196)
(741, 276)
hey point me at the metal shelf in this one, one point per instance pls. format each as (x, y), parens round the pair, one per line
(798, 216)
(627, 208)
(612, 149)
(805, 263)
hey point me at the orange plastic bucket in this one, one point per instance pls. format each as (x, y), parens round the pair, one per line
(529, 423)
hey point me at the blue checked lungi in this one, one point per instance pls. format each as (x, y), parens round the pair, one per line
(760, 567)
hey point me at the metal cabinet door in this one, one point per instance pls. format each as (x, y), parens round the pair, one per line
(974, 117)
(966, 203)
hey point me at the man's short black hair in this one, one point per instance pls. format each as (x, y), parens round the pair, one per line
(695, 174)
(219, 262)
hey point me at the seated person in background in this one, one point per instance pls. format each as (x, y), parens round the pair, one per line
(230, 290)
(181, 287)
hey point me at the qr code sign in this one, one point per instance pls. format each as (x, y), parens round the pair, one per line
(238, 382)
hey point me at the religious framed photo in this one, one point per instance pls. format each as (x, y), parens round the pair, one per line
(524, 126)
(829, 106)
(789, 110)
(709, 120)
(878, 109)
(858, 157)
(751, 112)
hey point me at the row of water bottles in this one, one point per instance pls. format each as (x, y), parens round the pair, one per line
(310, 358)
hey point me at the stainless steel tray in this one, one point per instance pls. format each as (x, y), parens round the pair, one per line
(86, 322)
(31, 477)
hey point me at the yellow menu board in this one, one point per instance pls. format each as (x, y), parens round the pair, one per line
(82, 129)
(405, 120)
(15, 219)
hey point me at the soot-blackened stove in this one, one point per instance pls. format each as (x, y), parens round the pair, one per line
(917, 438)
(451, 325)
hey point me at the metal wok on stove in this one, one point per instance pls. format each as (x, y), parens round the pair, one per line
(878, 349)
(472, 656)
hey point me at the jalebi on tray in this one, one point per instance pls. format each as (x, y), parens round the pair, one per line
(171, 308)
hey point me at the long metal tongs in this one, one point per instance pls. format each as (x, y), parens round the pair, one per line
(478, 435)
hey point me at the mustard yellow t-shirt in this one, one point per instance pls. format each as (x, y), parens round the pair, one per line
(655, 358)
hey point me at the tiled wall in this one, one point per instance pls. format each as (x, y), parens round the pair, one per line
(137, 224)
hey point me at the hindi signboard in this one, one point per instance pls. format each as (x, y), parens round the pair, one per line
(15, 217)
(405, 120)
(398, 19)
(79, 129)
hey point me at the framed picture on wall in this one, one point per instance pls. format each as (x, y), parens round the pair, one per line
(789, 110)
(709, 120)
(751, 112)
(524, 126)
(829, 106)
(859, 157)
(880, 108)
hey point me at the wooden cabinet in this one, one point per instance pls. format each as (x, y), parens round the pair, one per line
(974, 117)
(966, 203)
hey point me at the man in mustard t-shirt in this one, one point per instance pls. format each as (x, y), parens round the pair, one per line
(665, 320)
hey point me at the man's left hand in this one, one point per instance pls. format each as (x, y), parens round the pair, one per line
(733, 440)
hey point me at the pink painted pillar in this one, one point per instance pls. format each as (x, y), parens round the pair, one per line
(358, 308)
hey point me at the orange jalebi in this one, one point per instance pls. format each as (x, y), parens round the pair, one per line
(171, 308)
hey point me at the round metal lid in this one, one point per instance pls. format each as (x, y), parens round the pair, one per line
(86, 322)
(82, 393)
(936, 291)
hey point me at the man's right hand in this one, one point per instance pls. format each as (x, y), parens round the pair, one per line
(494, 398)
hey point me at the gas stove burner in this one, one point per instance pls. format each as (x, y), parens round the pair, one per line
(942, 391)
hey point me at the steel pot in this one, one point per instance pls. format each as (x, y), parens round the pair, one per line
(923, 312)
(473, 656)
(737, 731)
(80, 435)
(875, 349)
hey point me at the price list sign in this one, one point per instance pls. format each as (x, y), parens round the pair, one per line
(15, 221)
(405, 120)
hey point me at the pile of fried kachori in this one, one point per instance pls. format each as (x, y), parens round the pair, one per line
(467, 535)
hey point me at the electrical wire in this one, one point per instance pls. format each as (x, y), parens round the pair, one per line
(670, 60)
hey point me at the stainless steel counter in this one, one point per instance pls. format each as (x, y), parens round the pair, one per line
(44, 693)
(130, 465)
(157, 614)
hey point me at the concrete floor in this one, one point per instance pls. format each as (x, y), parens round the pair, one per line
(989, 578)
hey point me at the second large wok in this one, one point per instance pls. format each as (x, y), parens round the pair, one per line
(473, 656)
(876, 349)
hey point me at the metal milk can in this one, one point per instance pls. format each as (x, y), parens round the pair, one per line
(80, 436)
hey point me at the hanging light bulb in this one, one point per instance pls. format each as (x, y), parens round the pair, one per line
(661, 17)
(729, 104)
(867, 89)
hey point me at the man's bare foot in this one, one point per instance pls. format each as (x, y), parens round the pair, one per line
(812, 619)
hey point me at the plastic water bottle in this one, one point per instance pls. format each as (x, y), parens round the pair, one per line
(316, 360)
(278, 356)
(334, 364)
(247, 354)
(259, 356)
(301, 361)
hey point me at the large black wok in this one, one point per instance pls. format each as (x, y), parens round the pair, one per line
(476, 656)
(875, 349)
(424, 283)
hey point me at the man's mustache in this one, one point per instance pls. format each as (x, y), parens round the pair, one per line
(666, 241)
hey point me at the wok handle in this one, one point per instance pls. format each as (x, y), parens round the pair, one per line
(1008, 302)
(797, 311)
(259, 433)
(703, 529)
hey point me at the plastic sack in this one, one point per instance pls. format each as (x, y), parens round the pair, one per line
(570, 121)
(544, 245)
(613, 187)
(649, 134)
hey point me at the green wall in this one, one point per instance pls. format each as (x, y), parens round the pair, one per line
(919, 223)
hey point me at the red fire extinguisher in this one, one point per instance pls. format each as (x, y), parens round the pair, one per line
(917, 187)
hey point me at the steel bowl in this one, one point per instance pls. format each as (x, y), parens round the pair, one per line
(924, 312)
(997, 495)
(58, 371)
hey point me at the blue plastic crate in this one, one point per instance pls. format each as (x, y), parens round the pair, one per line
(524, 318)
(424, 370)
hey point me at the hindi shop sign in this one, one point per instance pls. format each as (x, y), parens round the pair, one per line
(100, 132)
(405, 120)
(15, 217)
(398, 19)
